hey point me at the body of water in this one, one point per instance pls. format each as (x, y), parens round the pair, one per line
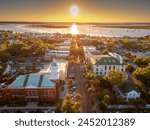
(91, 30)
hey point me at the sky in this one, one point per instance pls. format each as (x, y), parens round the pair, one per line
(89, 10)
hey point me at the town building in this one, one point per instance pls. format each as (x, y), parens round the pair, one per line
(106, 63)
(32, 87)
(127, 91)
(101, 64)
(66, 42)
(57, 70)
(91, 52)
(62, 51)
(62, 54)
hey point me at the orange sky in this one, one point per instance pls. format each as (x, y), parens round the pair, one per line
(90, 10)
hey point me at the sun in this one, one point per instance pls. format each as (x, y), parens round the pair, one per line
(74, 10)
(74, 29)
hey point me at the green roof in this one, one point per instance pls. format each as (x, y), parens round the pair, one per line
(109, 61)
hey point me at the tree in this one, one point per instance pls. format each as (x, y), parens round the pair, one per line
(126, 59)
(115, 77)
(128, 54)
(106, 98)
(59, 104)
(71, 82)
(102, 105)
(91, 78)
(130, 68)
(4, 54)
(142, 61)
(128, 44)
(91, 90)
(15, 48)
(69, 105)
(78, 97)
(143, 75)
(94, 42)
(1, 70)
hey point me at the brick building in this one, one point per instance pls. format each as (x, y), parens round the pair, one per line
(32, 88)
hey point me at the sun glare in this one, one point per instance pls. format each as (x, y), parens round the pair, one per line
(74, 29)
(74, 10)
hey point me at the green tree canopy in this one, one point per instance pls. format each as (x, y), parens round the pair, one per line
(115, 77)
(1, 70)
(143, 74)
(142, 61)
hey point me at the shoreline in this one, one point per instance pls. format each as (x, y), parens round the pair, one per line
(103, 25)
(124, 26)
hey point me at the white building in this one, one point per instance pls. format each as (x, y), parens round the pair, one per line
(106, 63)
(101, 64)
(91, 52)
(127, 92)
(62, 51)
(56, 54)
(56, 70)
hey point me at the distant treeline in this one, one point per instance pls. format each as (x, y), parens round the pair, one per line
(48, 26)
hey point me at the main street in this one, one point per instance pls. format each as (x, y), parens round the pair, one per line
(81, 87)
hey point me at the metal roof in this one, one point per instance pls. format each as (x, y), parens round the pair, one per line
(32, 81)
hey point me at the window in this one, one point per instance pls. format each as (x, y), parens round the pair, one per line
(28, 92)
(109, 67)
(49, 93)
(105, 67)
(97, 69)
(36, 92)
(130, 94)
(32, 92)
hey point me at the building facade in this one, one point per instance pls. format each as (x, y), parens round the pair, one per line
(127, 92)
(104, 64)
(101, 64)
(32, 88)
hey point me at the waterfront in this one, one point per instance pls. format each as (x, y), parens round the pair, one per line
(85, 29)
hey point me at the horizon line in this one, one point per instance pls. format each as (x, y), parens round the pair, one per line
(68, 22)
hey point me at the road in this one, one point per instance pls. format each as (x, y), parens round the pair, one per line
(81, 88)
